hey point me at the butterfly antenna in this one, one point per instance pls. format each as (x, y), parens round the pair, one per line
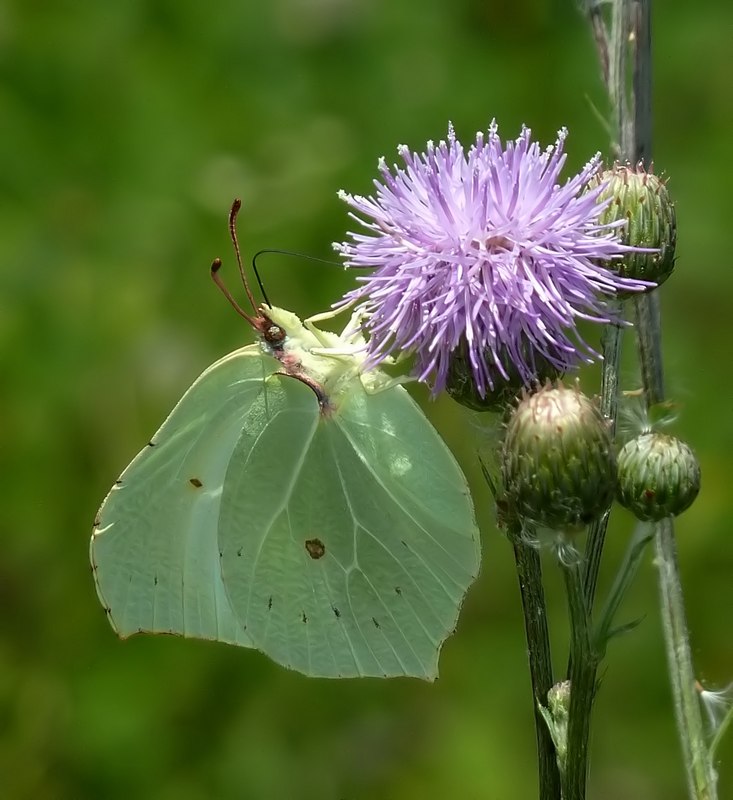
(283, 253)
(257, 275)
(254, 321)
(215, 267)
(236, 205)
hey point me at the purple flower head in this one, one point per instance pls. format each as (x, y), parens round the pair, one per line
(487, 247)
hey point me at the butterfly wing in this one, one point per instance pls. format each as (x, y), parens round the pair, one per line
(154, 549)
(358, 563)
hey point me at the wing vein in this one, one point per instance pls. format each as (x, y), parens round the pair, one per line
(380, 482)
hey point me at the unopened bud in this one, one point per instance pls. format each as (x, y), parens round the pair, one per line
(556, 716)
(641, 198)
(558, 464)
(658, 476)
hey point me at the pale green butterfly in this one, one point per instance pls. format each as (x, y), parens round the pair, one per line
(295, 503)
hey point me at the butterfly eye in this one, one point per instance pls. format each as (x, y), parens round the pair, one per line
(274, 335)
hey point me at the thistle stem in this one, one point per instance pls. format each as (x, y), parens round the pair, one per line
(701, 778)
(611, 345)
(631, 22)
(529, 573)
(583, 661)
(612, 56)
(583, 667)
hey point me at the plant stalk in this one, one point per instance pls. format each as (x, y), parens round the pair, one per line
(701, 778)
(583, 662)
(529, 573)
(583, 668)
(611, 345)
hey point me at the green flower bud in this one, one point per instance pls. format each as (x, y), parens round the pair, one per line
(558, 464)
(642, 199)
(658, 476)
(556, 716)
(558, 702)
(461, 386)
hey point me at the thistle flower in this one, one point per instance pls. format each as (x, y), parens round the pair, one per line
(485, 247)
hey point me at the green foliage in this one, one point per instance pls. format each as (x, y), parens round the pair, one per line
(127, 129)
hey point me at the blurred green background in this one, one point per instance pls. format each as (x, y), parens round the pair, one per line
(125, 131)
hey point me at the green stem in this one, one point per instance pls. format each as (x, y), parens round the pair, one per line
(617, 80)
(613, 57)
(701, 778)
(583, 667)
(700, 773)
(583, 662)
(626, 17)
(648, 329)
(529, 573)
(611, 345)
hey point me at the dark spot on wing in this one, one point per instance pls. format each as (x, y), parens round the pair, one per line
(336, 611)
(397, 590)
(107, 611)
(269, 603)
(151, 443)
(404, 543)
(96, 523)
(155, 580)
(221, 555)
(376, 624)
(118, 482)
(315, 547)
(304, 618)
(239, 552)
(195, 482)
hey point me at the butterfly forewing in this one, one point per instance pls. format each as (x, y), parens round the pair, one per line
(154, 549)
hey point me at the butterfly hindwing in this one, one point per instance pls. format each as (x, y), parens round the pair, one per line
(357, 566)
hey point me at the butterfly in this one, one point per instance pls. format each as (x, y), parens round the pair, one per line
(296, 503)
